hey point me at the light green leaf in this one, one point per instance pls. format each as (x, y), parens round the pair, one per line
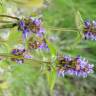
(51, 48)
(79, 21)
(51, 76)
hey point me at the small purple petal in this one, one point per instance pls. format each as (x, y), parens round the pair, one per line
(87, 23)
(37, 22)
(19, 61)
(22, 24)
(43, 46)
(25, 33)
(27, 56)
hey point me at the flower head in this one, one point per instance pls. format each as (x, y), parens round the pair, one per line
(18, 51)
(31, 25)
(20, 54)
(37, 44)
(44, 46)
(90, 30)
(74, 66)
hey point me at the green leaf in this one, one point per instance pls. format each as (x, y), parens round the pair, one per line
(28, 3)
(51, 48)
(79, 21)
(15, 38)
(51, 76)
(79, 25)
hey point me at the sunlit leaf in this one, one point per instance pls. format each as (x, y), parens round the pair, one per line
(29, 3)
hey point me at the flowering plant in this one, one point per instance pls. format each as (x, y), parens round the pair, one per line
(30, 47)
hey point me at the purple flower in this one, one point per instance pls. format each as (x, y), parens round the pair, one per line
(60, 72)
(27, 56)
(37, 21)
(22, 24)
(87, 23)
(44, 46)
(39, 43)
(41, 32)
(74, 66)
(90, 30)
(67, 58)
(90, 35)
(30, 26)
(38, 24)
(20, 52)
(25, 33)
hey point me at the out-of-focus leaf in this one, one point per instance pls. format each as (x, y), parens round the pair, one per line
(4, 85)
(51, 48)
(29, 3)
(79, 21)
(15, 38)
(79, 25)
(51, 76)
(1, 8)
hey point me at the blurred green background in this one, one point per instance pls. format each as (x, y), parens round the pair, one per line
(25, 79)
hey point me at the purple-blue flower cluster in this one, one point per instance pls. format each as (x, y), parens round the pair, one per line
(31, 25)
(74, 66)
(19, 54)
(90, 30)
(37, 43)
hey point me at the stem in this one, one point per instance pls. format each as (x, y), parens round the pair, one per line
(78, 38)
(61, 29)
(10, 17)
(37, 60)
(22, 57)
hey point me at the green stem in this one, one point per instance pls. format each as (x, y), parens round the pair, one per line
(61, 29)
(78, 38)
(4, 55)
(10, 17)
(37, 60)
